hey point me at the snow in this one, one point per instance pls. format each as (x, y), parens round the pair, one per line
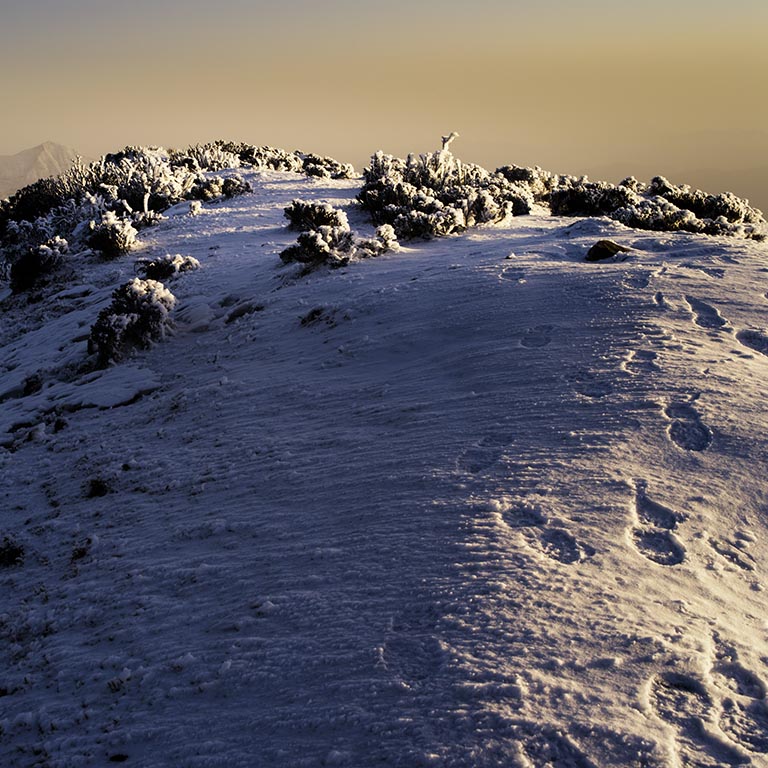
(488, 505)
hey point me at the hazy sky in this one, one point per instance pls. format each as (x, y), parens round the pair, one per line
(654, 86)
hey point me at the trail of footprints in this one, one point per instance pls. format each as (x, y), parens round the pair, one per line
(736, 708)
(707, 316)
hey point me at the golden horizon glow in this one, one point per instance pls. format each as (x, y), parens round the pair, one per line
(665, 88)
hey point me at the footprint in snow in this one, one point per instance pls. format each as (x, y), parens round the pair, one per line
(559, 545)
(754, 340)
(513, 274)
(658, 546)
(480, 456)
(684, 703)
(705, 315)
(716, 272)
(652, 536)
(746, 724)
(687, 430)
(738, 679)
(538, 336)
(650, 512)
(588, 385)
(639, 280)
(641, 361)
(550, 748)
(744, 718)
(412, 659)
(523, 516)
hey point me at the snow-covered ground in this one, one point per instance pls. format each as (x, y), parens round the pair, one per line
(475, 503)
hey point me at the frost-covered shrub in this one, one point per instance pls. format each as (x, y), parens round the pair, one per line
(166, 266)
(435, 194)
(539, 182)
(333, 246)
(386, 236)
(588, 198)
(114, 237)
(326, 167)
(215, 156)
(385, 240)
(426, 224)
(305, 216)
(138, 316)
(703, 205)
(208, 189)
(660, 206)
(234, 186)
(216, 187)
(195, 208)
(37, 265)
(142, 219)
(271, 159)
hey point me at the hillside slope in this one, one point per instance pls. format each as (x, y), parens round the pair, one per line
(475, 503)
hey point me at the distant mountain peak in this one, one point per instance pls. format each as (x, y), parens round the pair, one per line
(29, 165)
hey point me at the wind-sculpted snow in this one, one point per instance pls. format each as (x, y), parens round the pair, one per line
(476, 502)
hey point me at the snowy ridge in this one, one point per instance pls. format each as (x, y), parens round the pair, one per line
(474, 503)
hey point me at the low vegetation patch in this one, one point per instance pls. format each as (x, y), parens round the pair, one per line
(140, 314)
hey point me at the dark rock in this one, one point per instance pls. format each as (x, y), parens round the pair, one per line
(604, 249)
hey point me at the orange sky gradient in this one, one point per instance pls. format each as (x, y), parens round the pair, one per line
(675, 88)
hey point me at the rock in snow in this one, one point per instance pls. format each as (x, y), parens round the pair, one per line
(485, 511)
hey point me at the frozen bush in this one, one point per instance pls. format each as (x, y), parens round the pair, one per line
(216, 187)
(538, 182)
(138, 316)
(272, 159)
(333, 246)
(385, 240)
(208, 189)
(703, 205)
(435, 194)
(114, 237)
(215, 156)
(195, 208)
(234, 186)
(385, 234)
(166, 266)
(304, 216)
(326, 167)
(660, 206)
(37, 265)
(445, 220)
(327, 238)
(142, 220)
(588, 198)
